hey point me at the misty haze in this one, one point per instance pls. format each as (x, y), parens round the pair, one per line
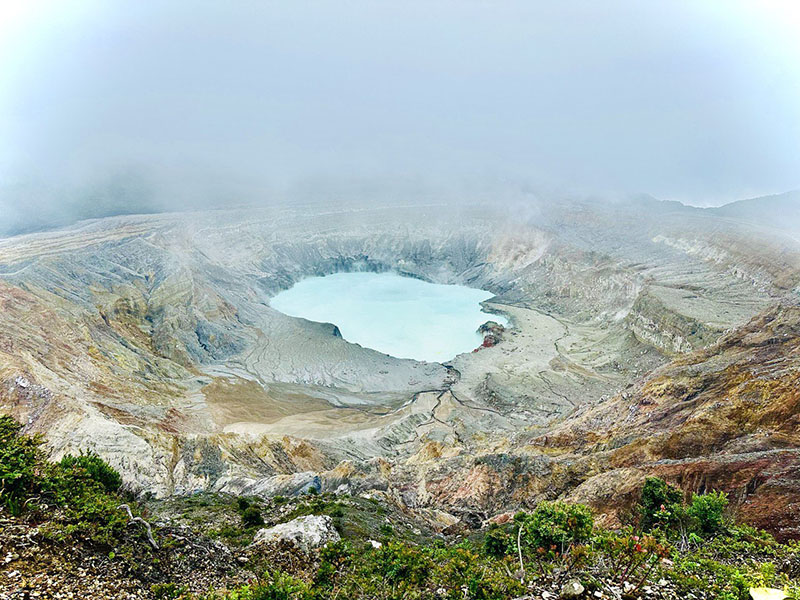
(379, 301)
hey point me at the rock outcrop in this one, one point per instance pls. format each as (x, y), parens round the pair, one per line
(307, 533)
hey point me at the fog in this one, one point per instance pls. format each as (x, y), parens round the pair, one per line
(109, 106)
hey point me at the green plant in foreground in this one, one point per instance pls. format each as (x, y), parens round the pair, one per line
(660, 504)
(168, 591)
(98, 469)
(82, 488)
(707, 511)
(20, 462)
(662, 508)
(278, 586)
(555, 526)
(497, 542)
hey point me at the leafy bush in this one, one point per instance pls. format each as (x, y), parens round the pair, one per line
(497, 543)
(96, 468)
(87, 509)
(21, 460)
(556, 525)
(707, 510)
(632, 557)
(82, 488)
(280, 586)
(333, 558)
(661, 507)
(464, 575)
(717, 580)
(398, 562)
(660, 504)
(251, 517)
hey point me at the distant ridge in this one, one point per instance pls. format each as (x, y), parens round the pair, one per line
(781, 211)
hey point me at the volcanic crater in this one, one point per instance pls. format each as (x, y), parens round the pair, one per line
(151, 340)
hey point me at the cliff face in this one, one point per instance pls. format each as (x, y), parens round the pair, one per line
(151, 340)
(725, 417)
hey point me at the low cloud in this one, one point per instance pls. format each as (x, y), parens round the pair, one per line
(109, 107)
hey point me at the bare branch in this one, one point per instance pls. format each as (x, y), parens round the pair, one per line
(519, 551)
(133, 519)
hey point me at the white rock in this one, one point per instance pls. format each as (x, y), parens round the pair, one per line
(572, 589)
(763, 593)
(375, 544)
(307, 533)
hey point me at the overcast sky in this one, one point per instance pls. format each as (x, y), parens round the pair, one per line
(694, 101)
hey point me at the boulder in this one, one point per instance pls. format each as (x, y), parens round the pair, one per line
(572, 589)
(307, 533)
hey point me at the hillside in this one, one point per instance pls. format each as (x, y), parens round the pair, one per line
(68, 529)
(781, 211)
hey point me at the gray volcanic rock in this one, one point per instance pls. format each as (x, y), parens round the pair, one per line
(307, 533)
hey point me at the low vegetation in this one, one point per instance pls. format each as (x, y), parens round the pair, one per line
(672, 547)
(77, 497)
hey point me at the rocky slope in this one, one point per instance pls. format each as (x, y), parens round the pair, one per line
(150, 339)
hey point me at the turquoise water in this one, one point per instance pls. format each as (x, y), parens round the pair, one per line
(400, 316)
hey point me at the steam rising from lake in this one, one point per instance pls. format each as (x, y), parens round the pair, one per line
(400, 316)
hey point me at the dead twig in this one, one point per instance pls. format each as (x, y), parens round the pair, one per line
(519, 551)
(149, 529)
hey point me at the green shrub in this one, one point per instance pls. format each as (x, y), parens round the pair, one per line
(82, 487)
(251, 517)
(88, 510)
(462, 573)
(496, 543)
(21, 460)
(167, 591)
(98, 469)
(707, 510)
(281, 587)
(397, 562)
(242, 503)
(556, 525)
(333, 558)
(659, 504)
